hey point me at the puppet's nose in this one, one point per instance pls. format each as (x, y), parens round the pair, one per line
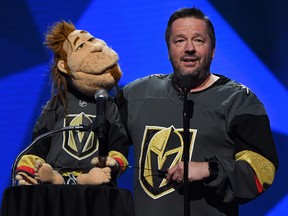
(97, 47)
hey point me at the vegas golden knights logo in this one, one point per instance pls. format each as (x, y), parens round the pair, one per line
(79, 145)
(161, 149)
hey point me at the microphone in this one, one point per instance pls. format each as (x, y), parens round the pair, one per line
(185, 84)
(41, 137)
(101, 93)
(99, 123)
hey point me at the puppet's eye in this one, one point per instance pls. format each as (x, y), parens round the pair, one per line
(80, 46)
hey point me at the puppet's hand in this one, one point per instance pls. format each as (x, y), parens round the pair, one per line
(104, 162)
(25, 179)
(96, 176)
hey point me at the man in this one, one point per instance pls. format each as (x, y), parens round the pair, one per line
(232, 156)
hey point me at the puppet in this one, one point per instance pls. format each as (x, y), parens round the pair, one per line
(81, 66)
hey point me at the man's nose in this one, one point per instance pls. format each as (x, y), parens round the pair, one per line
(190, 46)
(97, 47)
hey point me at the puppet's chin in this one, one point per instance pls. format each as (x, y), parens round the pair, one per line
(114, 70)
(88, 84)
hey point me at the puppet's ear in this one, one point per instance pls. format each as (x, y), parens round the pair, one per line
(61, 66)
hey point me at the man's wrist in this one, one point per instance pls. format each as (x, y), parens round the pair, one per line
(213, 167)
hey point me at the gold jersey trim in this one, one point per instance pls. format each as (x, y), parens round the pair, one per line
(119, 155)
(264, 169)
(68, 173)
(29, 160)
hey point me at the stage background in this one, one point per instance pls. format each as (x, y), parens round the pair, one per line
(251, 48)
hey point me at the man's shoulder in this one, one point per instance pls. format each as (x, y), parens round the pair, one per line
(150, 80)
(231, 85)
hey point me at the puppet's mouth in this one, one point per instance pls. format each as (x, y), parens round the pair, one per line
(96, 70)
(99, 63)
(108, 69)
(115, 72)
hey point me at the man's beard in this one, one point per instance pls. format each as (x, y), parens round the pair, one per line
(194, 78)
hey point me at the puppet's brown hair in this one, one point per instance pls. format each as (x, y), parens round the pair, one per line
(54, 40)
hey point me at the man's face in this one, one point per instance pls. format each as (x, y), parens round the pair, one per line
(87, 54)
(190, 50)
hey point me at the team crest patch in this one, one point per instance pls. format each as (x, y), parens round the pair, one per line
(161, 149)
(79, 145)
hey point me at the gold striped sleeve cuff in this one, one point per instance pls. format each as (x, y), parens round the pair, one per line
(263, 168)
(116, 154)
(29, 160)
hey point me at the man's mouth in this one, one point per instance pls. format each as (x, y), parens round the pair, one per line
(189, 59)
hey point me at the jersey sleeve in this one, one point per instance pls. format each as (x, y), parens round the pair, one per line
(44, 123)
(255, 161)
(117, 137)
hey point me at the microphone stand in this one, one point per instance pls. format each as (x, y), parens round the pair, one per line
(186, 151)
(42, 136)
(100, 127)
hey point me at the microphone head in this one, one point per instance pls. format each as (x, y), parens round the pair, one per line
(102, 93)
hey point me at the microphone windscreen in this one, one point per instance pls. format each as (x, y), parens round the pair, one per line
(101, 93)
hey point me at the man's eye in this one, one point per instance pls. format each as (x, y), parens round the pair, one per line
(91, 39)
(199, 41)
(179, 41)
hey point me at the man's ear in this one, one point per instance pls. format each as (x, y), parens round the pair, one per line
(213, 53)
(61, 66)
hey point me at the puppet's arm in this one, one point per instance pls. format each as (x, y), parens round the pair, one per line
(32, 169)
(105, 169)
(25, 170)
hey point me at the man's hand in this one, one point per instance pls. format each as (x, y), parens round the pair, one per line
(196, 171)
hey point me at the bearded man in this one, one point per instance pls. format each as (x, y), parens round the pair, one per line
(229, 152)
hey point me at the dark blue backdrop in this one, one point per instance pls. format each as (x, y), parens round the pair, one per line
(251, 48)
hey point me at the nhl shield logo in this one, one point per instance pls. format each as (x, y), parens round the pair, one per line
(161, 149)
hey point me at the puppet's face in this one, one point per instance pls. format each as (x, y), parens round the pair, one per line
(91, 63)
